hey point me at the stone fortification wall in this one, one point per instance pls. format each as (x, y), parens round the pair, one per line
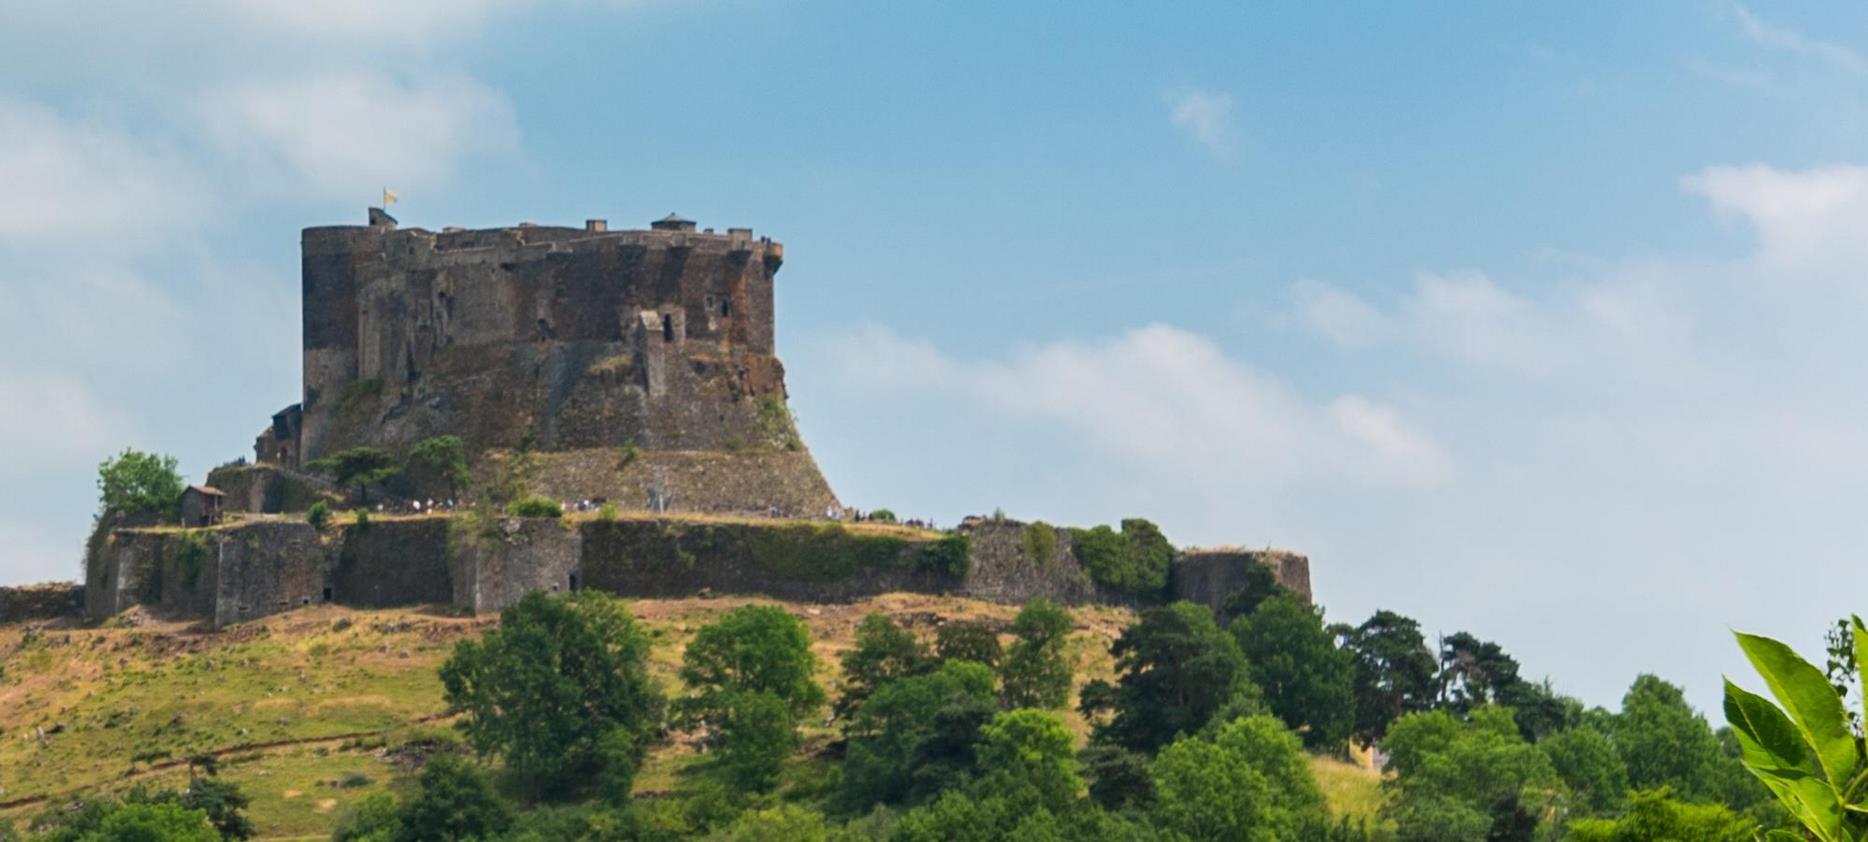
(1207, 576)
(270, 488)
(714, 482)
(47, 601)
(261, 567)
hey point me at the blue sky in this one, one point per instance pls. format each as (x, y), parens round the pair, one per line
(1541, 323)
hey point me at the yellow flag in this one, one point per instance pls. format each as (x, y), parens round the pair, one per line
(388, 197)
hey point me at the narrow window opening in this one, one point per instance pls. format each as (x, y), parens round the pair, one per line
(668, 328)
(573, 583)
(726, 307)
(327, 593)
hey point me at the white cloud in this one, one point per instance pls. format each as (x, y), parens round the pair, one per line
(1800, 216)
(1339, 316)
(64, 180)
(346, 134)
(1165, 402)
(1786, 39)
(1206, 117)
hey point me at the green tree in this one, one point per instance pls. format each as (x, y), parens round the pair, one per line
(1474, 672)
(561, 689)
(1117, 776)
(441, 460)
(1306, 680)
(1030, 750)
(1585, 759)
(374, 819)
(751, 649)
(916, 735)
(883, 652)
(1134, 561)
(137, 483)
(1037, 672)
(1665, 743)
(359, 468)
(222, 802)
(754, 735)
(455, 803)
(1474, 780)
(1394, 672)
(1258, 584)
(153, 822)
(1175, 668)
(1652, 815)
(1249, 780)
(968, 640)
(783, 823)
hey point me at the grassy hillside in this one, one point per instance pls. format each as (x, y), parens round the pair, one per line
(312, 710)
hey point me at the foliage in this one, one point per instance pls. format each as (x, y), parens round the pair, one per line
(883, 652)
(823, 551)
(536, 507)
(1393, 672)
(1586, 761)
(1260, 583)
(137, 483)
(1474, 672)
(222, 802)
(1466, 780)
(1652, 815)
(751, 649)
(1037, 672)
(1029, 750)
(358, 467)
(915, 736)
(1134, 561)
(1248, 781)
(1118, 777)
(319, 515)
(883, 516)
(776, 421)
(206, 809)
(1841, 668)
(968, 640)
(1802, 746)
(1305, 679)
(783, 823)
(1664, 743)
(753, 735)
(357, 391)
(455, 803)
(1039, 542)
(443, 459)
(947, 554)
(556, 687)
(152, 822)
(1175, 668)
(362, 518)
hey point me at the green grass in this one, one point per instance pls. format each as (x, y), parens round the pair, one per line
(1351, 790)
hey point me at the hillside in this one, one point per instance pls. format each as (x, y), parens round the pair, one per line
(311, 710)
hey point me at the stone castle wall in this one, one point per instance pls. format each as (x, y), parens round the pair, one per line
(48, 601)
(248, 570)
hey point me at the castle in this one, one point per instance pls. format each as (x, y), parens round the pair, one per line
(633, 367)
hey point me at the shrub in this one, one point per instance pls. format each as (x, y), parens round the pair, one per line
(1040, 543)
(948, 554)
(822, 551)
(883, 515)
(1134, 561)
(607, 512)
(138, 483)
(536, 507)
(319, 515)
(967, 640)
(363, 518)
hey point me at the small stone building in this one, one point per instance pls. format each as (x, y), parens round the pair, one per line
(201, 505)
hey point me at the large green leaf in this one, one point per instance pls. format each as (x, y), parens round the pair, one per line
(1860, 635)
(1811, 702)
(1773, 750)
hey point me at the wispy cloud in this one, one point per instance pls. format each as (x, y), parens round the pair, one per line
(1206, 117)
(1774, 36)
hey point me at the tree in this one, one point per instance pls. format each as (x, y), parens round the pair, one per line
(1305, 679)
(1134, 561)
(153, 822)
(222, 802)
(1474, 780)
(1175, 668)
(374, 819)
(1029, 750)
(1118, 777)
(754, 736)
(358, 467)
(916, 735)
(137, 483)
(441, 460)
(1474, 672)
(1664, 742)
(455, 803)
(783, 823)
(1247, 781)
(1036, 671)
(968, 640)
(1652, 815)
(1586, 761)
(1260, 583)
(561, 689)
(751, 649)
(883, 652)
(1394, 672)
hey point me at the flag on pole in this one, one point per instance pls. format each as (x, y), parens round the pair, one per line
(389, 198)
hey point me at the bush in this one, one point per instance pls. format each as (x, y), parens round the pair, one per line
(319, 515)
(882, 515)
(1040, 543)
(607, 512)
(947, 554)
(363, 518)
(1134, 561)
(536, 507)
